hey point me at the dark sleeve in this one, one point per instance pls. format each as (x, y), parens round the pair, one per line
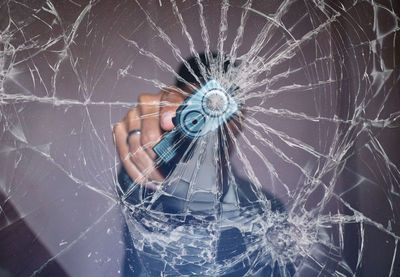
(131, 263)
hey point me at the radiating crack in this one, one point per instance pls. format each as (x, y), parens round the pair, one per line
(306, 177)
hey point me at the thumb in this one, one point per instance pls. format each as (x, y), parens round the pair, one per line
(171, 99)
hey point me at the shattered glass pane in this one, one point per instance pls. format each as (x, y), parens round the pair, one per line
(303, 180)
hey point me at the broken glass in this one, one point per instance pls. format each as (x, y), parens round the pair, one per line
(311, 181)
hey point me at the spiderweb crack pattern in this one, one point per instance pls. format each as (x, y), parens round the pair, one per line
(313, 169)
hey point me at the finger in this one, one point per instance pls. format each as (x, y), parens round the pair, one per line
(142, 160)
(137, 146)
(124, 151)
(171, 99)
(149, 108)
(120, 135)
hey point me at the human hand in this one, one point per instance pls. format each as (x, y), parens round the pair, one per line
(149, 119)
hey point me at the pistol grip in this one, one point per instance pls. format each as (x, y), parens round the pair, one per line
(165, 148)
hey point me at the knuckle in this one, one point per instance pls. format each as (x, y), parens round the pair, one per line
(145, 98)
(149, 138)
(132, 113)
(117, 127)
(148, 103)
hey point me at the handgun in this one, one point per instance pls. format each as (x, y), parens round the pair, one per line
(204, 111)
(193, 185)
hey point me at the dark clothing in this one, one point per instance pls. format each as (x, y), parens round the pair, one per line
(230, 242)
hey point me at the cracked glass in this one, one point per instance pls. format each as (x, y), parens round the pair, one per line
(301, 179)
